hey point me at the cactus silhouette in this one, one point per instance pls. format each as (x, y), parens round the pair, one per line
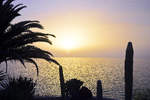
(99, 90)
(62, 83)
(129, 71)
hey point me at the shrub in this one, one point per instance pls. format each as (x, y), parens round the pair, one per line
(73, 87)
(18, 89)
(76, 91)
(85, 93)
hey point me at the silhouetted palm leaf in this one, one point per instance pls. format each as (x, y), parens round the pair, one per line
(16, 39)
(3, 77)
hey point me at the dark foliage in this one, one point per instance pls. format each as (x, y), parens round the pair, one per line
(142, 94)
(85, 93)
(76, 92)
(73, 87)
(16, 39)
(18, 89)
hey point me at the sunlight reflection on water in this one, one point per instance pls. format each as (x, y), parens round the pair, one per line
(89, 70)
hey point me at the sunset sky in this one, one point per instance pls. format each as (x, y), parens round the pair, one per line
(92, 28)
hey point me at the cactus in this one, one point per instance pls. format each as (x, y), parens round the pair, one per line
(129, 72)
(99, 90)
(62, 83)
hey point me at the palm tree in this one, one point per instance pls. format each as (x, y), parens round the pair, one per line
(16, 39)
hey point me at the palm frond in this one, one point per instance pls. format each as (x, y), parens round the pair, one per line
(16, 31)
(30, 48)
(2, 79)
(8, 2)
(16, 39)
(28, 53)
(33, 62)
(2, 75)
(7, 13)
(22, 42)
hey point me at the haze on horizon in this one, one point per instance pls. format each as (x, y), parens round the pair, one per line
(92, 28)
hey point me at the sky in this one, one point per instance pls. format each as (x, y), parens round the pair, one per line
(92, 28)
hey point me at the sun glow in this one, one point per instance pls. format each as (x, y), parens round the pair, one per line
(68, 44)
(69, 40)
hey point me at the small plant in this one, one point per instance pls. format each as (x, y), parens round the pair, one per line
(18, 89)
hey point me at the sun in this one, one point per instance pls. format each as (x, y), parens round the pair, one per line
(69, 40)
(68, 43)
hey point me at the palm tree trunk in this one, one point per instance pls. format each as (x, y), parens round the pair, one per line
(129, 72)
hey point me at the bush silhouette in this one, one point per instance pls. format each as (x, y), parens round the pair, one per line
(76, 91)
(73, 87)
(18, 89)
(85, 93)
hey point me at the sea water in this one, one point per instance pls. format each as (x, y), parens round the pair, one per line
(89, 70)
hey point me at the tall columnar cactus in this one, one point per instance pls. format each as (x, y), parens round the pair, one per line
(99, 90)
(129, 71)
(62, 83)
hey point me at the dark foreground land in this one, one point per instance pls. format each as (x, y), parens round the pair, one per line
(59, 98)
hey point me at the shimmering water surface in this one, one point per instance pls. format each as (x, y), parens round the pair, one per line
(109, 70)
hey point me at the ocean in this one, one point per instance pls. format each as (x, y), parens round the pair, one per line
(89, 70)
